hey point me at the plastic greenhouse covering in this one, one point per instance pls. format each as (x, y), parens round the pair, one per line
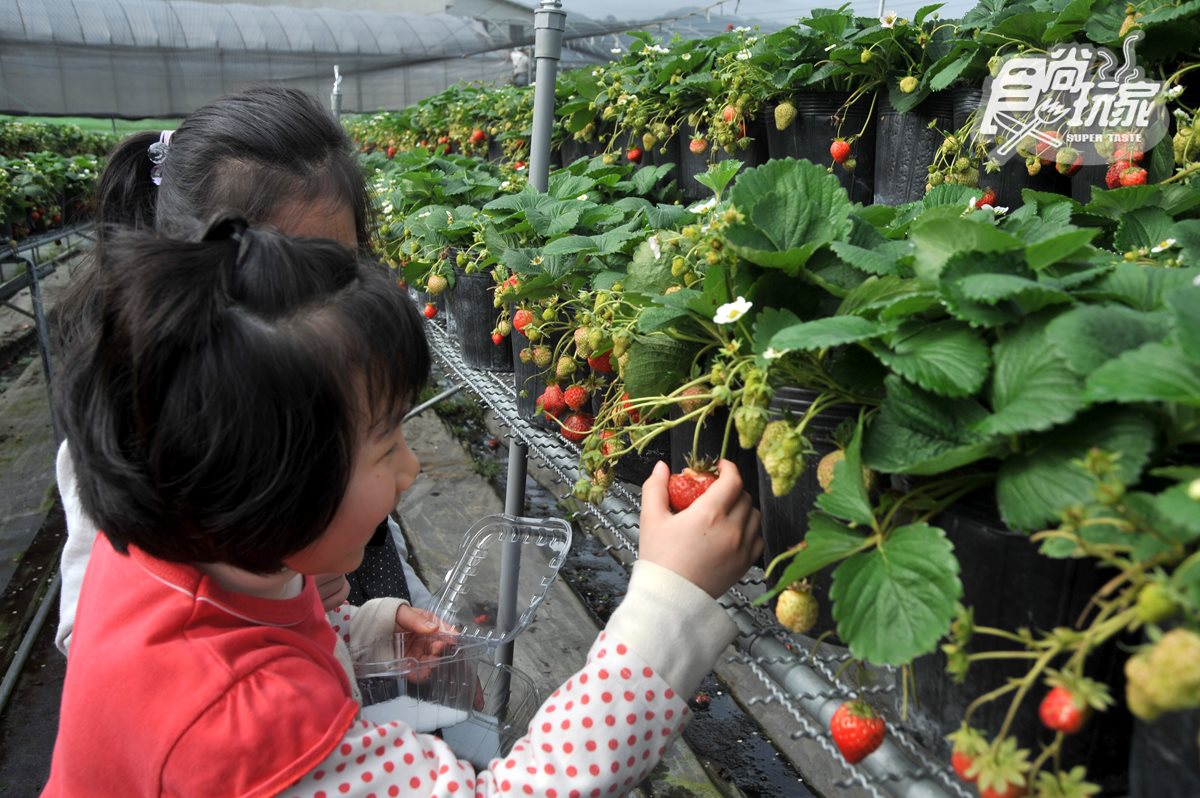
(139, 58)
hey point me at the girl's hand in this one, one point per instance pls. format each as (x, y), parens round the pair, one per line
(426, 637)
(713, 542)
(333, 589)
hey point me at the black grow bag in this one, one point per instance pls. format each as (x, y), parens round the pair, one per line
(690, 164)
(1009, 585)
(905, 148)
(472, 305)
(814, 129)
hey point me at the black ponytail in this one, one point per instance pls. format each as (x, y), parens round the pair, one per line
(215, 415)
(125, 194)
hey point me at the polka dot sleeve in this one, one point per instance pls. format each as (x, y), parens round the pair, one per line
(598, 735)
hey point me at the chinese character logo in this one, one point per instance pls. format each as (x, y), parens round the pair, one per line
(1073, 104)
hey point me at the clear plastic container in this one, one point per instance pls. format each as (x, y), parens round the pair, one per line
(450, 682)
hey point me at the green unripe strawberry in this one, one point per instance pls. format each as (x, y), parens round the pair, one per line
(1164, 677)
(785, 114)
(908, 84)
(565, 367)
(1154, 603)
(865, 56)
(750, 423)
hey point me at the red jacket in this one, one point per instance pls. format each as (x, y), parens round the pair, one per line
(176, 687)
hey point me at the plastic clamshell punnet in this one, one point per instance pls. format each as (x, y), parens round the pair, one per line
(436, 682)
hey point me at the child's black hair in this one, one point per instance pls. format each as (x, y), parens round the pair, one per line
(254, 151)
(260, 152)
(214, 416)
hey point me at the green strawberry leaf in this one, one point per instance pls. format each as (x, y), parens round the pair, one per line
(1139, 287)
(893, 603)
(936, 238)
(826, 332)
(827, 541)
(945, 357)
(1145, 227)
(657, 364)
(719, 174)
(1041, 254)
(1034, 485)
(1180, 510)
(791, 209)
(1087, 336)
(1184, 304)
(918, 433)
(847, 495)
(1032, 389)
(1155, 372)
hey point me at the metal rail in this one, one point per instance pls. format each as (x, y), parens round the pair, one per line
(805, 682)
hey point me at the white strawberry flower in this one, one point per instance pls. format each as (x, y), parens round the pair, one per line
(686, 56)
(616, 51)
(582, 197)
(654, 246)
(743, 55)
(1193, 489)
(770, 353)
(888, 20)
(1174, 91)
(505, 185)
(704, 206)
(741, 29)
(732, 311)
(1163, 245)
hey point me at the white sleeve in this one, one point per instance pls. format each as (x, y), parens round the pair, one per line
(600, 733)
(418, 594)
(81, 534)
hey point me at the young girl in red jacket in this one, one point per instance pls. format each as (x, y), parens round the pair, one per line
(237, 426)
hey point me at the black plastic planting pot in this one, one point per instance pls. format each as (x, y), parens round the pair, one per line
(573, 150)
(691, 164)
(1013, 175)
(685, 441)
(785, 518)
(820, 118)
(1009, 585)
(635, 467)
(472, 306)
(529, 380)
(663, 152)
(1162, 760)
(905, 148)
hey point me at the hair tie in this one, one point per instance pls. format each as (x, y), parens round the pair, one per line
(158, 153)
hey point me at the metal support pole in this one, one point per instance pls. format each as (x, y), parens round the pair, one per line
(335, 97)
(43, 332)
(446, 394)
(549, 22)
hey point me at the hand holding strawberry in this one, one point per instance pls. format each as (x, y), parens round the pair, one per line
(713, 542)
(688, 485)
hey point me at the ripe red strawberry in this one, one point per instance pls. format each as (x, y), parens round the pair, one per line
(1112, 178)
(1133, 176)
(551, 402)
(687, 486)
(988, 198)
(857, 730)
(634, 155)
(430, 310)
(391, 151)
(840, 150)
(1068, 161)
(962, 763)
(497, 338)
(608, 445)
(577, 426)
(1061, 712)
(478, 136)
(729, 114)
(521, 319)
(601, 364)
(698, 145)
(519, 165)
(575, 396)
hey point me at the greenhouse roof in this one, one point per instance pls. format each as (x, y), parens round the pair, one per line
(136, 58)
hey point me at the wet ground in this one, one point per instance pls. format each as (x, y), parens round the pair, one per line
(727, 740)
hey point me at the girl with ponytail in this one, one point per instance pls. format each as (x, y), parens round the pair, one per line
(277, 157)
(237, 421)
